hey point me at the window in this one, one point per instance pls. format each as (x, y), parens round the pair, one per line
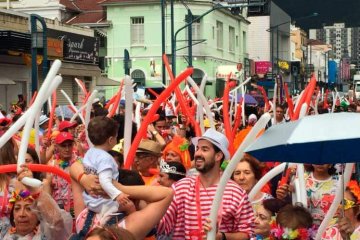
(219, 34)
(195, 29)
(244, 39)
(137, 30)
(231, 39)
(139, 77)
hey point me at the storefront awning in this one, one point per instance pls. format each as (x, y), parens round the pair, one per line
(74, 69)
(6, 81)
(104, 81)
(223, 71)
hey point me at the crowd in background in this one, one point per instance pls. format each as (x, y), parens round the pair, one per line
(168, 192)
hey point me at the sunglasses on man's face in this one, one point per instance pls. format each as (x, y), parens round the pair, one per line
(142, 155)
(66, 145)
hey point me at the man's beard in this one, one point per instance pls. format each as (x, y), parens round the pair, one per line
(206, 167)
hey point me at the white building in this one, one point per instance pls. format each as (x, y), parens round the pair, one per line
(345, 41)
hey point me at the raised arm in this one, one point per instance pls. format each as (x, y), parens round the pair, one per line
(158, 198)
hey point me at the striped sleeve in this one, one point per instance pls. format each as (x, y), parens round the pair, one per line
(168, 221)
(245, 216)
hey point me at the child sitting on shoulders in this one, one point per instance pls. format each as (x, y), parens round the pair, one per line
(102, 133)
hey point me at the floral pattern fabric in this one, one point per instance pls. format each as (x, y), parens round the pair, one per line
(320, 195)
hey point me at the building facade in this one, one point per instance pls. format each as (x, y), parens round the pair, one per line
(298, 61)
(75, 46)
(84, 14)
(345, 41)
(270, 46)
(219, 42)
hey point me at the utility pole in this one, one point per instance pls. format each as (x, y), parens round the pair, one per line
(35, 44)
(173, 46)
(127, 62)
(163, 50)
(215, 7)
(189, 19)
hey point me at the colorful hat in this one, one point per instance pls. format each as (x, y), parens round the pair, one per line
(180, 146)
(63, 136)
(119, 147)
(207, 123)
(66, 124)
(216, 138)
(149, 146)
(43, 119)
(21, 195)
(4, 122)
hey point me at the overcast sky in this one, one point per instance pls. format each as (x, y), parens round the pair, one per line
(330, 11)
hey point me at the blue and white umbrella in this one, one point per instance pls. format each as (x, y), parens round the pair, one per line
(65, 111)
(318, 139)
(249, 100)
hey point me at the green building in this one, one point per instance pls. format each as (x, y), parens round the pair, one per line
(219, 41)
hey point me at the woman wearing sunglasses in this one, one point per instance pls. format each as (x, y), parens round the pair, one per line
(349, 225)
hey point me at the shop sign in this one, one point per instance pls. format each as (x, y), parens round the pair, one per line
(284, 65)
(55, 47)
(262, 67)
(77, 48)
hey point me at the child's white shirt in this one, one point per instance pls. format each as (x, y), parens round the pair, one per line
(99, 162)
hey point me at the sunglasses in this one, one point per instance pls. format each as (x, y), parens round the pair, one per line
(349, 204)
(67, 145)
(142, 155)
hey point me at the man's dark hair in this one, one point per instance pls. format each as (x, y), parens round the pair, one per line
(102, 128)
(130, 178)
(218, 150)
(120, 119)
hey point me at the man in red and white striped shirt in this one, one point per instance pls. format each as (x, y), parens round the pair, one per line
(193, 197)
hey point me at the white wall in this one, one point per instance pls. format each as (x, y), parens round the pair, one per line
(312, 34)
(259, 38)
(21, 75)
(46, 8)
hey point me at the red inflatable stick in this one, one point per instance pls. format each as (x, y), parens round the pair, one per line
(117, 101)
(326, 105)
(33, 98)
(153, 92)
(111, 101)
(154, 118)
(52, 113)
(74, 110)
(289, 102)
(37, 168)
(149, 117)
(237, 119)
(300, 103)
(310, 91)
(226, 115)
(181, 100)
(266, 100)
(286, 177)
(82, 86)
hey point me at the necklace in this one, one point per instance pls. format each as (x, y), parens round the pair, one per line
(63, 164)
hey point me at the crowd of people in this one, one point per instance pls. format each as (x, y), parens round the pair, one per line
(169, 190)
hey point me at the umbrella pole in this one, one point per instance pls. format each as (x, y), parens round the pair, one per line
(347, 237)
(343, 190)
